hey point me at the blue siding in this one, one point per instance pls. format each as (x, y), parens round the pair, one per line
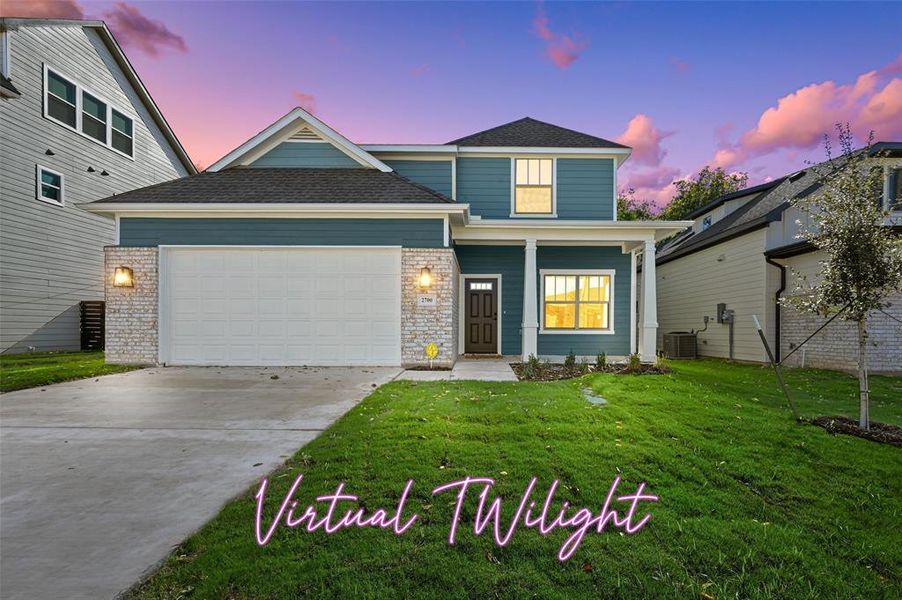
(485, 183)
(305, 154)
(508, 261)
(589, 257)
(413, 233)
(434, 174)
(585, 188)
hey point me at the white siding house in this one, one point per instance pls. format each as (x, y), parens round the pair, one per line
(81, 127)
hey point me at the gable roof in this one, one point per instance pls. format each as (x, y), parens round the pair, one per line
(767, 206)
(130, 74)
(285, 186)
(720, 200)
(529, 132)
(295, 121)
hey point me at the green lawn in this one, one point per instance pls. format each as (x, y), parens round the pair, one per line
(751, 504)
(20, 371)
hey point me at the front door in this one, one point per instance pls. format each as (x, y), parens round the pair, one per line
(481, 316)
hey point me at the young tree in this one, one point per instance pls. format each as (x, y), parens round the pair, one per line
(700, 190)
(631, 209)
(863, 258)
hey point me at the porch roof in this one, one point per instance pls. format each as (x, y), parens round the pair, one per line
(629, 234)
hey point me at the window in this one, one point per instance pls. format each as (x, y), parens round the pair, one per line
(122, 133)
(533, 186)
(61, 99)
(481, 286)
(895, 201)
(577, 301)
(706, 222)
(93, 117)
(68, 103)
(49, 186)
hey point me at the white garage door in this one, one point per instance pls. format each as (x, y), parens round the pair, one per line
(280, 306)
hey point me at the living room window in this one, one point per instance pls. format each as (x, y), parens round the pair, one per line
(533, 186)
(577, 301)
(69, 104)
(49, 186)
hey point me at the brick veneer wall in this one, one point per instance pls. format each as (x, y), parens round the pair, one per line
(421, 325)
(132, 313)
(836, 346)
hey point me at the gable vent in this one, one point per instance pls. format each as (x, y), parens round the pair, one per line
(304, 134)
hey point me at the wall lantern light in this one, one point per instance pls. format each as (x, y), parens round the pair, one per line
(123, 277)
(425, 277)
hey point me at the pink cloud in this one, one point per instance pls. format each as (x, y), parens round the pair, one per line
(419, 70)
(133, 29)
(654, 185)
(42, 9)
(680, 65)
(801, 118)
(305, 101)
(645, 140)
(562, 50)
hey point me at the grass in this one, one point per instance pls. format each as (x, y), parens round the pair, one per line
(752, 505)
(21, 371)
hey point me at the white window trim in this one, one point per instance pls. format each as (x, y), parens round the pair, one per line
(79, 88)
(553, 214)
(37, 186)
(544, 331)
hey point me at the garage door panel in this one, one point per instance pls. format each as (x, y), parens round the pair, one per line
(281, 306)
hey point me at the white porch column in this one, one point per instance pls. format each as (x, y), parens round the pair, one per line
(648, 305)
(530, 325)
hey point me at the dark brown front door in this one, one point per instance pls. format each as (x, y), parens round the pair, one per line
(481, 320)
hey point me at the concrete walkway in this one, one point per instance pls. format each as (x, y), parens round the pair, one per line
(473, 369)
(101, 478)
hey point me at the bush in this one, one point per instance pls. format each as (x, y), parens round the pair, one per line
(633, 363)
(532, 368)
(601, 362)
(584, 367)
(570, 360)
(661, 363)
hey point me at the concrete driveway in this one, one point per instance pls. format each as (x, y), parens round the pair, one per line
(101, 478)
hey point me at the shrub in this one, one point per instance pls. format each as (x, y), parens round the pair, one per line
(570, 360)
(584, 367)
(601, 362)
(661, 363)
(633, 363)
(532, 368)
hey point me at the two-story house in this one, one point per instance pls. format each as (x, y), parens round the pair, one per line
(743, 250)
(302, 248)
(76, 125)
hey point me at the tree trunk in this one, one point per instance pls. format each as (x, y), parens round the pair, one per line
(864, 418)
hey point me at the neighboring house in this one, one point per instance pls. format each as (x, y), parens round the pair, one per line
(302, 248)
(744, 250)
(76, 125)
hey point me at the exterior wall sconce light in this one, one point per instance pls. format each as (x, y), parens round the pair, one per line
(123, 277)
(425, 279)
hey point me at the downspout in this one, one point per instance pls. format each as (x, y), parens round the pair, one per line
(780, 291)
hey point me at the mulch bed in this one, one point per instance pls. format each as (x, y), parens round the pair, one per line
(556, 372)
(879, 432)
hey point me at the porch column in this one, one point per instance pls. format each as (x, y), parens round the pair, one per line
(530, 313)
(648, 332)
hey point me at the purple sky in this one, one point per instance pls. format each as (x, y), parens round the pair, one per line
(750, 87)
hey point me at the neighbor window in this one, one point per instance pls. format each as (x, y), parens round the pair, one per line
(61, 99)
(533, 186)
(67, 103)
(49, 185)
(706, 222)
(576, 301)
(895, 201)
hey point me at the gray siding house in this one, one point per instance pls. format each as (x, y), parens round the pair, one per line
(744, 250)
(76, 125)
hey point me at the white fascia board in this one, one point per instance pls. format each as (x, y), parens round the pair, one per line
(288, 209)
(326, 132)
(589, 231)
(508, 150)
(410, 148)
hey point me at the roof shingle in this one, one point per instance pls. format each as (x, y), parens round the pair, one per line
(287, 185)
(528, 132)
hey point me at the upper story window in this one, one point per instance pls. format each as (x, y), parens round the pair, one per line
(68, 103)
(706, 222)
(533, 188)
(49, 186)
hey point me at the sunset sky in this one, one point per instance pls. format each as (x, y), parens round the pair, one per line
(750, 87)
